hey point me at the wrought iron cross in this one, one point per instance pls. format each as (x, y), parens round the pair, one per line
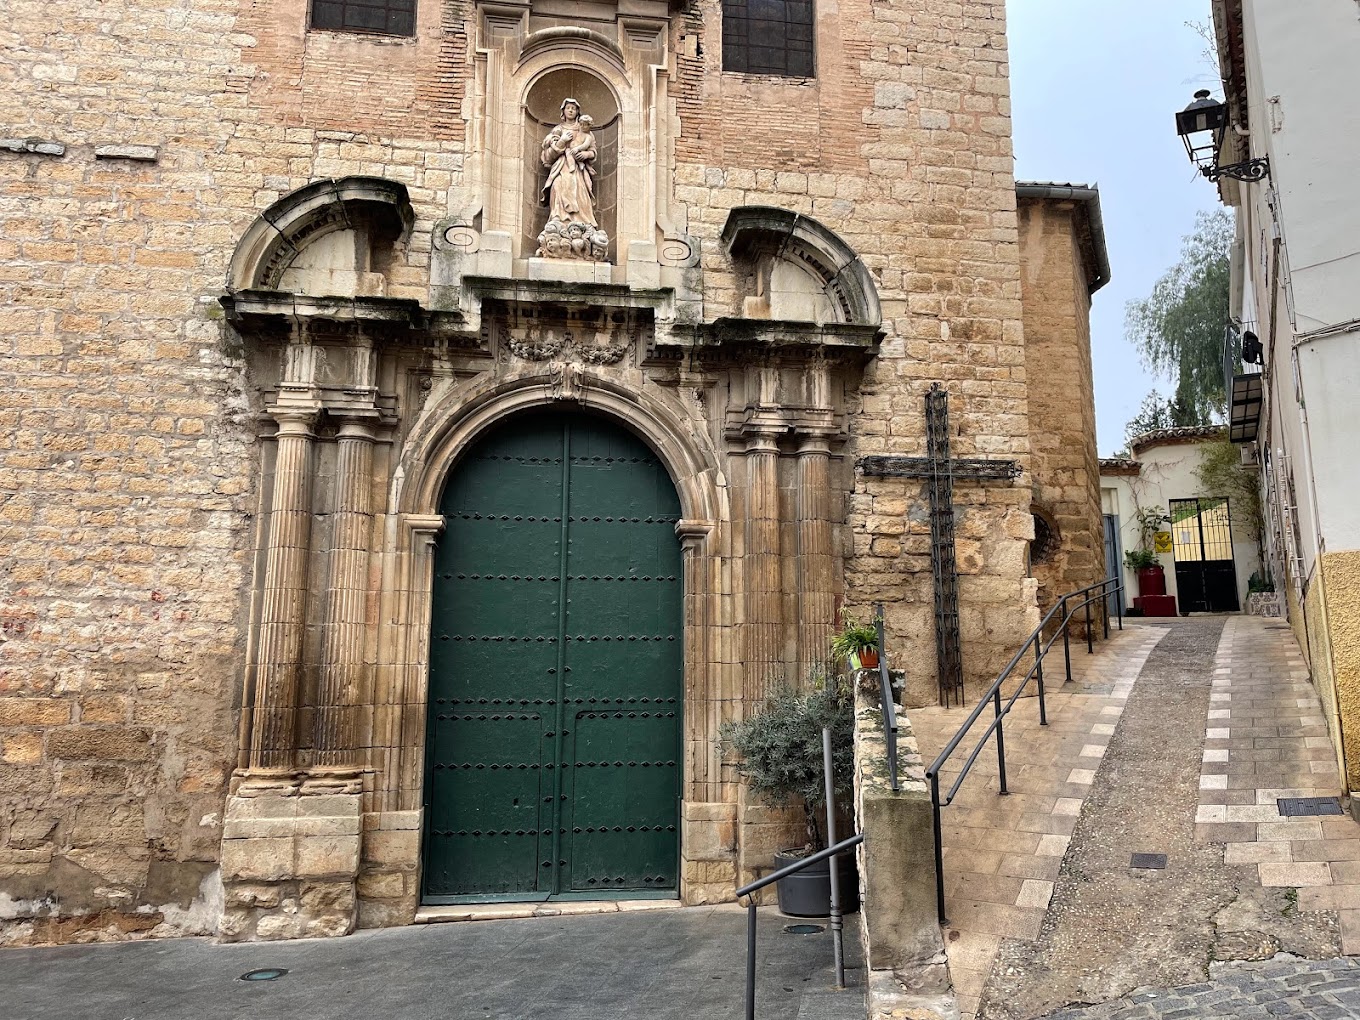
(941, 471)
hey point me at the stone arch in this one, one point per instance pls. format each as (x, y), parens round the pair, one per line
(370, 212)
(797, 268)
(453, 423)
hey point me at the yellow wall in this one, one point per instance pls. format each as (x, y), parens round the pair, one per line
(1340, 575)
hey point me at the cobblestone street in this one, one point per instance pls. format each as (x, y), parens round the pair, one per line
(1308, 989)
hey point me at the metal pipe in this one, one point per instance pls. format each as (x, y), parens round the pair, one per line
(1105, 611)
(837, 919)
(796, 866)
(1119, 603)
(888, 703)
(1000, 743)
(1067, 644)
(1039, 677)
(1090, 638)
(751, 960)
(939, 848)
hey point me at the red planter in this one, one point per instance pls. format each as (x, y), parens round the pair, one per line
(1151, 581)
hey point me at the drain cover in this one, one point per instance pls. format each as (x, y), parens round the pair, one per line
(804, 929)
(1293, 807)
(264, 974)
(1154, 862)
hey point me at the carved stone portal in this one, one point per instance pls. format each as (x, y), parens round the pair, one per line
(569, 152)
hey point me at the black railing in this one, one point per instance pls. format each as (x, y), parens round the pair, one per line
(1065, 610)
(761, 883)
(885, 696)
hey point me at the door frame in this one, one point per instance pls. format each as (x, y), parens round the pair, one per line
(1178, 563)
(448, 428)
(562, 895)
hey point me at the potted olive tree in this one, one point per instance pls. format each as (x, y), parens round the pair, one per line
(780, 748)
(857, 643)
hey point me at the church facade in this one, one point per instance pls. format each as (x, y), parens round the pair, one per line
(431, 422)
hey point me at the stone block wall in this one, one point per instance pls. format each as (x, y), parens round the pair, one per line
(136, 455)
(1058, 279)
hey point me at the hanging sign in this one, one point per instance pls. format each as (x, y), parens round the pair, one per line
(1162, 542)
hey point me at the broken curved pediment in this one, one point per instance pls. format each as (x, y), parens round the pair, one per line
(795, 269)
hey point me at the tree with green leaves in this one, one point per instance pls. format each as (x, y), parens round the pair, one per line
(1178, 328)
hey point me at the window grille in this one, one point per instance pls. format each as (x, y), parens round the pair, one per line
(768, 37)
(377, 17)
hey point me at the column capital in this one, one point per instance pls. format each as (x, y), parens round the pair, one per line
(815, 441)
(294, 420)
(360, 425)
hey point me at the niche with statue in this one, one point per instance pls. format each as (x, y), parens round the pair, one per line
(571, 164)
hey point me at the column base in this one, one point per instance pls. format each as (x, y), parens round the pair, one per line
(290, 857)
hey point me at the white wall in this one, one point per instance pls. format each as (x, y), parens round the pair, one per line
(1303, 77)
(1168, 472)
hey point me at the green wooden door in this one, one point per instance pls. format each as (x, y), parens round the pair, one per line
(556, 669)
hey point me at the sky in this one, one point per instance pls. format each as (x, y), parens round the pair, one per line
(1094, 90)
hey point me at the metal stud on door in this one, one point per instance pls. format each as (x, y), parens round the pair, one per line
(556, 668)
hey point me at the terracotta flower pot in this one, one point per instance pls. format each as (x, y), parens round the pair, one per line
(865, 658)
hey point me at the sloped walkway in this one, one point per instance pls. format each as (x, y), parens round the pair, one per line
(678, 964)
(1217, 722)
(1002, 855)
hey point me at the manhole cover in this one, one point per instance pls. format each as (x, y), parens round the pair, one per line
(1293, 807)
(1151, 861)
(264, 974)
(804, 929)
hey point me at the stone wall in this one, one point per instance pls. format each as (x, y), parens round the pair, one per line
(1058, 280)
(141, 466)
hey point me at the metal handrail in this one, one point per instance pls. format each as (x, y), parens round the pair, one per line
(770, 879)
(1100, 591)
(885, 696)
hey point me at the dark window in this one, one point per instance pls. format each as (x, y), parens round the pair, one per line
(382, 17)
(768, 37)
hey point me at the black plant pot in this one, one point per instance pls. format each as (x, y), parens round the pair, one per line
(807, 893)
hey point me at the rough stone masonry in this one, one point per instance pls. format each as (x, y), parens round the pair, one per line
(262, 286)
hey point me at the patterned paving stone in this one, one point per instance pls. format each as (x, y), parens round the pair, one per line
(1307, 989)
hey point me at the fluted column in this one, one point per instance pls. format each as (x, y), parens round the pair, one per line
(333, 719)
(816, 560)
(761, 565)
(273, 741)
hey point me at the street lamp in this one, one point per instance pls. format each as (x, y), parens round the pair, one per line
(1202, 126)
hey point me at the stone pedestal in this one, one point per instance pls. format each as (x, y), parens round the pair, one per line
(290, 858)
(708, 852)
(901, 931)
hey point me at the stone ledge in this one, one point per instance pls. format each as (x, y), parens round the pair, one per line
(137, 153)
(509, 911)
(37, 146)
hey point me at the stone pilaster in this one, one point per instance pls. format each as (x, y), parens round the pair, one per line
(815, 555)
(273, 736)
(762, 637)
(334, 732)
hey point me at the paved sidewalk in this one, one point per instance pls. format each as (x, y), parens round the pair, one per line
(683, 964)
(1003, 854)
(1266, 739)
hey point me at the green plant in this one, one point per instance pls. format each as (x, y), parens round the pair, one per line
(854, 637)
(1257, 583)
(1140, 559)
(781, 749)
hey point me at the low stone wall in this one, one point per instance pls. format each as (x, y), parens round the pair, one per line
(903, 948)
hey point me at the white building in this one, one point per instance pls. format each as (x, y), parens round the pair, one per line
(1212, 545)
(1291, 76)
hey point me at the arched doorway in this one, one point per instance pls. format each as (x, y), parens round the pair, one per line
(556, 668)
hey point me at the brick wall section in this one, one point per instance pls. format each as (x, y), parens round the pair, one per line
(1061, 398)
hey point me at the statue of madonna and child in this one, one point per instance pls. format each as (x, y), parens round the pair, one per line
(569, 154)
